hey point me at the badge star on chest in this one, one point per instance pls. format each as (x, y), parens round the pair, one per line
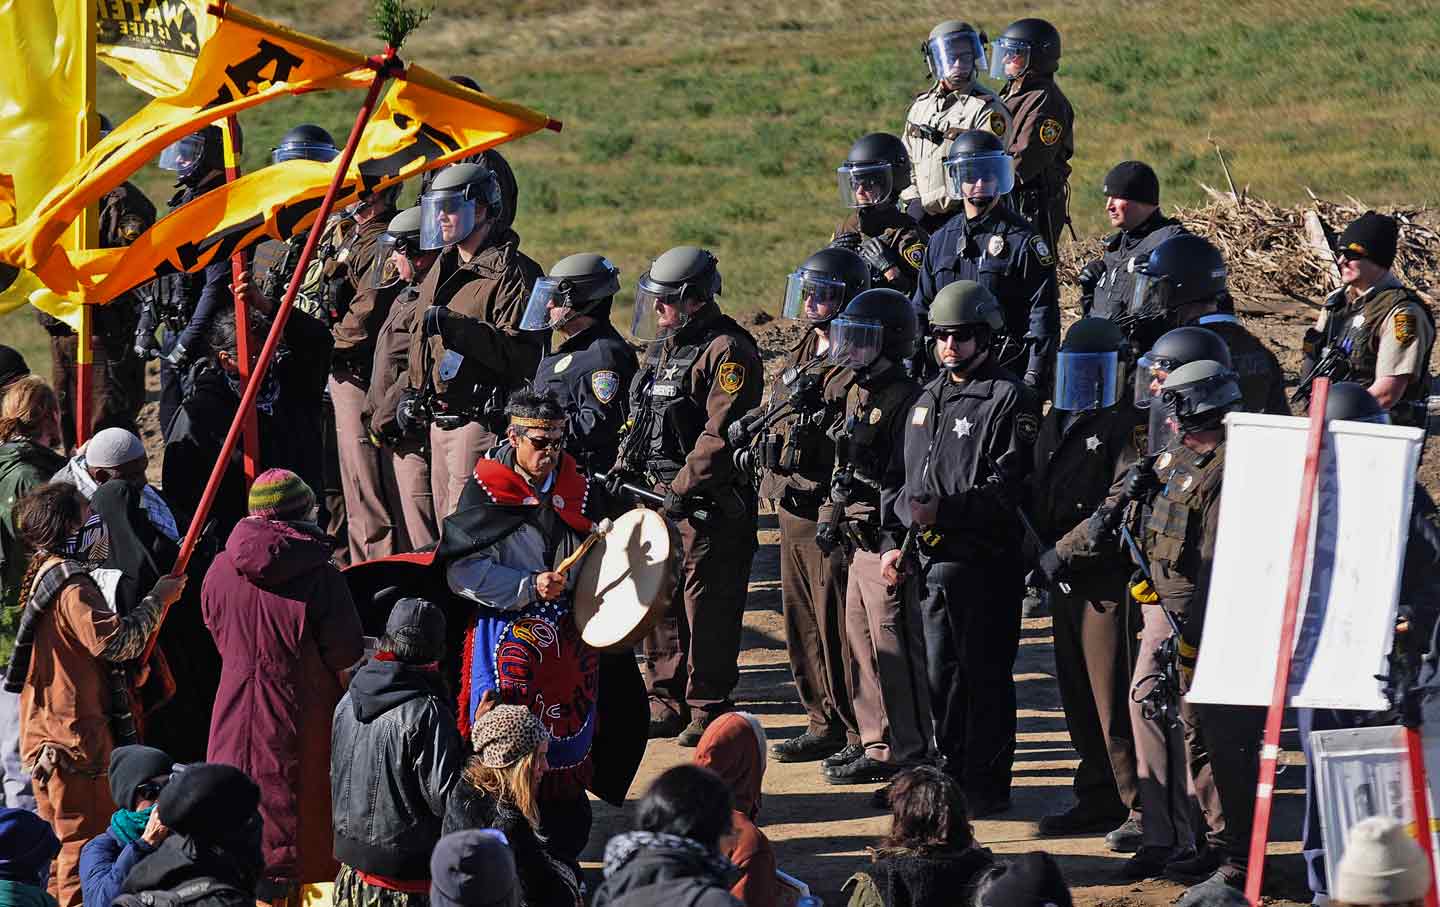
(962, 428)
(1092, 443)
(672, 372)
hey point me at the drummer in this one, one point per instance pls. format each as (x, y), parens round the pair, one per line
(524, 509)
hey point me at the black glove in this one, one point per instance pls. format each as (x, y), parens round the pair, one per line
(409, 415)
(842, 487)
(1051, 566)
(1089, 277)
(1142, 480)
(849, 241)
(826, 538)
(1099, 526)
(178, 356)
(674, 506)
(434, 321)
(878, 256)
(1032, 380)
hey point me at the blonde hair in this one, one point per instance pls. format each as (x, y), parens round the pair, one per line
(28, 403)
(514, 784)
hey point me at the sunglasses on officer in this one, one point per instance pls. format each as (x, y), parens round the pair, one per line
(958, 334)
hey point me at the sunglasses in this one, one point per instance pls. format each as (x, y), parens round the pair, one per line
(150, 790)
(1350, 255)
(959, 334)
(544, 442)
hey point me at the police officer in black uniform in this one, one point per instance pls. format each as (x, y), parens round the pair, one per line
(871, 179)
(968, 446)
(997, 248)
(588, 366)
(1132, 203)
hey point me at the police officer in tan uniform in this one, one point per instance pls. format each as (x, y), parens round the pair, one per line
(871, 179)
(954, 54)
(701, 373)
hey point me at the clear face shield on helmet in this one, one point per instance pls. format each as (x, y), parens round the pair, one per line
(1161, 429)
(1085, 381)
(1151, 296)
(307, 151)
(956, 57)
(446, 217)
(552, 303)
(390, 247)
(855, 343)
(660, 310)
(813, 297)
(980, 177)
(1010, 58)
(865, 184)
(1150, 373)
(182, 155)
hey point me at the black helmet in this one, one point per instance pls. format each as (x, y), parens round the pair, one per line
(305, 142)
(876, 323)
(1174, 349)
(1352, 402)
(978, 158)
(1181, 270)
(878, 165)
(196, 156)
(1197, 395)
(1087, 367)
(823, 284)
(1093, 335)
(1036, 39)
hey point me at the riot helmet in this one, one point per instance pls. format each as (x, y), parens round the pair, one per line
(196, 156)
(964, 310)
(1028, 45)
(1087, 367)
(876, 324)
(401, 235)
(1181, 270)
(818, 290)
(449, 208)
(875, 171)
(954, 52)
(580, 284)
(665, 293)
(978, 169)
(1352, 402)
(1197, 395)
(1174, 349)
(305, 142)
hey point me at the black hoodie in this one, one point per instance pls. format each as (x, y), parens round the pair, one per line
(395, 754)
(203, 874)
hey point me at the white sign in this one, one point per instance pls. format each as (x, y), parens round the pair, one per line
(1358, 531)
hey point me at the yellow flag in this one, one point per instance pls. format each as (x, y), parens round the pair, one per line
(424, 121)
(153, 44)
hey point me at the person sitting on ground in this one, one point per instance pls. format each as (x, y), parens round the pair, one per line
(1027, 880)
(676, 854)
(474, 868)
(394, 755)
(27, 845)
(69, 666)
(1382, 865)
(137, 776)
(733, 747)
(286, 628)
(500, 789)
(213, 848)
(930, 857)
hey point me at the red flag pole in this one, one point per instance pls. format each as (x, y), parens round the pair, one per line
(251, 438)
(385, 65)
(1299, 554)
(1419, 793)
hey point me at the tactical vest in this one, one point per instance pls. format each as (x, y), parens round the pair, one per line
(869, 426)
(1173, 527)
(676, 419)
(1365, 337)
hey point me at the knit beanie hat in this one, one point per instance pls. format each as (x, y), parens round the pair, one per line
(474, 868)
(279, 494)
(208, 801)
(506, 734)
(27, 845)
(1028, 880)
(1134, 181)
(1373, 236)
(132, 766)
(1382, 865)
(113, 447)
(416, 630)
(12, 366)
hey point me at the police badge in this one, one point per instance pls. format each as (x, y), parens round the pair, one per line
(604, 383)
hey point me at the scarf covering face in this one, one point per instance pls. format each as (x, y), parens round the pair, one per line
(265, 399)
(91, 542)
(624, 847)
(127, 825)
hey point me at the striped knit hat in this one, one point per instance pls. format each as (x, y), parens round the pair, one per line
(279, 494)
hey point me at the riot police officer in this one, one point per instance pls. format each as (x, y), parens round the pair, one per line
(988, 243)
(875, 171)
(968, 446)
(1087, 443)
(590, 366)
(1373, 329)
(1043, 136)
(400, 268)
(1184, 283)
(470, 363)
(954, 54)
(1132, 203)
(872, 338)
(797, 468)
(701, 373)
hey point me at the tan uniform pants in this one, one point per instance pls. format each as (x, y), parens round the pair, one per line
(887, 642)
(1166, 802)
(367, 478)
(417, 500)
(453, 455)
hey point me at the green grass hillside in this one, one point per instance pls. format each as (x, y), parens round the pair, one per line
(722, 124)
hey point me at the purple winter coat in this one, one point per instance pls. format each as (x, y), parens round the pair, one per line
(285, 625)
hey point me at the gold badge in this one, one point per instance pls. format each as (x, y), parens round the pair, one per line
(731, 377)
(875, 416)
(997, 123)
(915, 254)
(996, 246)
(1050, 131)
(563, 364)
(1404, 327)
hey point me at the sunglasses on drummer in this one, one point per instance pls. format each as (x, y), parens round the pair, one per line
(958, 334)
(544, 442)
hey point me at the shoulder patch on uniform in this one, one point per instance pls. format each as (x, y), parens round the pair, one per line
(1027, 427)
(1404, 327)
(997, 123)
(919, 415)
(1050, 131)
(131, 226)
(1042, 251)
(1140, 437)
(604, 383)
(731, 377)
(915, 253)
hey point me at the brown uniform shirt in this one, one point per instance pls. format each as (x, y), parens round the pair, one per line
(388, 379)
(1042, 141)
(803, 489)
(367, 307)
(1179, 538)
(899, 233)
